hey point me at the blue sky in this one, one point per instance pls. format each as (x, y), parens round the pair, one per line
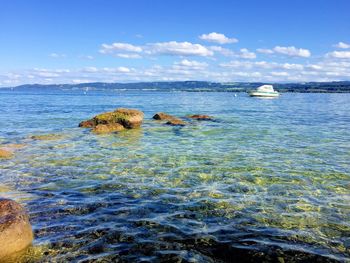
(126, 41)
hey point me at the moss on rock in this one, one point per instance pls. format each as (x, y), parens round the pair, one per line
(114, 121)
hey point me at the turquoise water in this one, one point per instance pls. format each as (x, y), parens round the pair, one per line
(269, 180)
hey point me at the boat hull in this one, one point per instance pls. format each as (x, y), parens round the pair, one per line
(264, 94)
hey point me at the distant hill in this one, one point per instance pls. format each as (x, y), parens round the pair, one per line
(196, 86)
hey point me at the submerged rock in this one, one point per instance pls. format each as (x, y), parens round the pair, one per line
(176, 122)
(171, 120)
(114, 121)
(15, 230)
(201, 117)
(5, 154)
(47, 137)
(108, 128)
(15, 146)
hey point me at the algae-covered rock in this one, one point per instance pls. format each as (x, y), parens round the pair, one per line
(200, 117)
(5, 154)
(129, 118)
(108, 128)
(15, 230)
(114, 121)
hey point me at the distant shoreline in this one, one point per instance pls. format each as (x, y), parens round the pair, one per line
(192, 86)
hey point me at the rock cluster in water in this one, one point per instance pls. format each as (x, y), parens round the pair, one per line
(122, 119)
(175, 121)
(114, 121)
(15, 230)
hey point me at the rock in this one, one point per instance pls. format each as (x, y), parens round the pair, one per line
(200, 117)
(114, 121)
(176, 122)
(171, 120)
(108, 128)
(87, 124)
(5, 154)
(163, 116)
(15, 230)
(130, 118)
(47, 137)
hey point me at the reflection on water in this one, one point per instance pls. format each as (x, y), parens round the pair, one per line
(268, 180)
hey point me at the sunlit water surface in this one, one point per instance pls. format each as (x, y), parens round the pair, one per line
(269, 180)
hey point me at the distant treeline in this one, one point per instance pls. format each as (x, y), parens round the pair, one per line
(198, 86)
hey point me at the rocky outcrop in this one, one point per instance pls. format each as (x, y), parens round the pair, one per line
(15, 230)
(170, 120)
(5, 154)
(200, 117)
(114, 121)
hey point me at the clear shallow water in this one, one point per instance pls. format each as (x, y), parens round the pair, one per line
(268, 181)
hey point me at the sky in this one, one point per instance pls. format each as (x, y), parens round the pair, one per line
(76, 41)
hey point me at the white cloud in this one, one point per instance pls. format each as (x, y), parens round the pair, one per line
(292, 51)
(264, 51)
(79, 81)
(189, 65)
(192, 63)
(128, 55)
(218, 38)
(178, 48)
(245, 53)
(262, 65)
(292, 66)
(280, 73)
(123, 70)
(87, 57)
(119, 47)
(342, 45)
(289, 51)
(55, 55)
(48, 74)
(223, 51)
(90, 69)
(116, 70)
(339, 54)
(173, 48)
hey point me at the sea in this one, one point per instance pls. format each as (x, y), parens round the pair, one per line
(267, 180)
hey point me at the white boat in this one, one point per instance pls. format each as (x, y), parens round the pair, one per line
(264, 91)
